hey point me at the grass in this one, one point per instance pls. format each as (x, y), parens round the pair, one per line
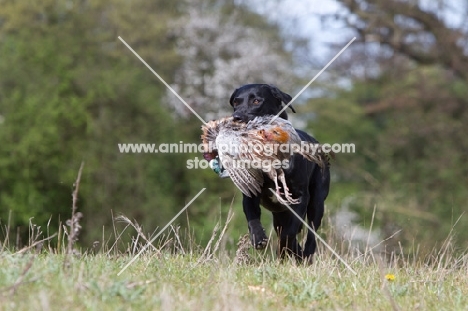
(164, 280)
(176, 273)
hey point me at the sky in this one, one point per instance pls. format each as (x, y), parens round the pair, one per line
(306, 18)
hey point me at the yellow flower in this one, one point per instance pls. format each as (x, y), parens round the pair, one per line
(390, 277)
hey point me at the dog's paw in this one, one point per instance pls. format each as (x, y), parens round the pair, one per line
(260, 244)
(257, 234)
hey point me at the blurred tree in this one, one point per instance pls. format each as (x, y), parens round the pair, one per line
(406, 109)
(225, 46)
(73, 92)
(430, 34)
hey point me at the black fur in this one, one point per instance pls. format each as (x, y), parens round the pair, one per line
(305, 179)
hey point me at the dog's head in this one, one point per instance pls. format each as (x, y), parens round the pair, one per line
(254, 100)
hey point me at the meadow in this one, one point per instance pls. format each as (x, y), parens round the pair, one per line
(179, 275)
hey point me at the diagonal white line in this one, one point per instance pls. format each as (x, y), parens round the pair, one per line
(162, 80)
(159, 233)
(316, 235)
(310, 82)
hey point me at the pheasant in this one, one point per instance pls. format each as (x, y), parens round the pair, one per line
(241, 147)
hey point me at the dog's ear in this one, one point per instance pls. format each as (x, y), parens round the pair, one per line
(231, 100)
(285, 98)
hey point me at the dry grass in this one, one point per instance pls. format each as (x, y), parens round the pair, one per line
(168, 281)
(176, 274)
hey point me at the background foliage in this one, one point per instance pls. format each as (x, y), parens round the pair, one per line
(70, 91)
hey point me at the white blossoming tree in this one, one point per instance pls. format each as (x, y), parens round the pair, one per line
(222, 52)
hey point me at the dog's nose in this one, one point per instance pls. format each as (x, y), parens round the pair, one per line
(238, 117)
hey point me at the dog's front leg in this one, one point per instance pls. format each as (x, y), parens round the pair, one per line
(287, 226)
(252, 213)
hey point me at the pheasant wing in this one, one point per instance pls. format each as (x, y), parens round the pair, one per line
(249, 181)
(236, 161)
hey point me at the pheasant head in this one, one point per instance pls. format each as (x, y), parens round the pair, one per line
(275, 134)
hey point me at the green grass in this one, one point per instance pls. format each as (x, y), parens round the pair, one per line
(176, 273)
(165, 281)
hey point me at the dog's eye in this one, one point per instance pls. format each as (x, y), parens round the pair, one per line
(237, 101)
(256, 101)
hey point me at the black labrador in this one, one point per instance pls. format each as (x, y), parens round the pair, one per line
(305, 179)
